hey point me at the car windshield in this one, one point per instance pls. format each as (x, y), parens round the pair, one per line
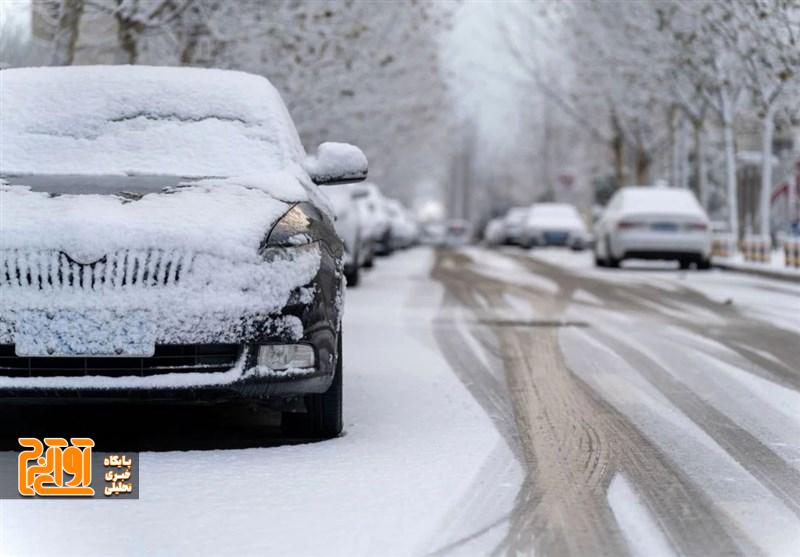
(657, 200)
(554, 211)
(142, 120)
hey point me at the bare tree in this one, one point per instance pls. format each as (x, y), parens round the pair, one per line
(67, 29)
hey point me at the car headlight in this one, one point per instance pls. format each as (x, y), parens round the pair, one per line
(293, 229)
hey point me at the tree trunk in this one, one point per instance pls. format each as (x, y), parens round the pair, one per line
(642, 166)
(768, 129)
(673, 132)
(701, 174)
(617, 148)
(730, 162)
(128, 33)
(69, 21)
(683, 151)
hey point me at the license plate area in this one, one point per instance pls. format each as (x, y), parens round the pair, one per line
(664, 227)
(100, 333)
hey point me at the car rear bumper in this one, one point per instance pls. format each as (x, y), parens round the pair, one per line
(555, 237)
(656, 245)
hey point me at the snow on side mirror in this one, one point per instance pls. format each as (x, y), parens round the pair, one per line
(337, 163)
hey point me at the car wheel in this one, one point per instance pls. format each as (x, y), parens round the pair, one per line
(704, 264)
(684, 263)
(323, 417)
(352, 274)
(369, 262)
(599, 261)
(611, 261)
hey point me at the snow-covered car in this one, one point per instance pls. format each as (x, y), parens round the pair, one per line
(515, 225)
(162, 238)
(494, 233)
(653, 223)
(432, 233)
(457, 232)
(375, 221)
(350, 229)
(403, 229)
(555, 224)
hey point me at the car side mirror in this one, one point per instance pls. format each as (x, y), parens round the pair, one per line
(336, 163)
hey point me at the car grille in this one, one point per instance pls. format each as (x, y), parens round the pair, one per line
(168, 358)
(45, 269)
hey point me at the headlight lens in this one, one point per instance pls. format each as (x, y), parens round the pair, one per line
(291, 230)
(280, 357)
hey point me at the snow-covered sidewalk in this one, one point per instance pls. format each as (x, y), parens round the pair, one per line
(415, 443)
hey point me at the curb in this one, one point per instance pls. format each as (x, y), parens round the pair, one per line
(764, 273)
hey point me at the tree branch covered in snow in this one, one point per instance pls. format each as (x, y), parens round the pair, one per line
(656, 67)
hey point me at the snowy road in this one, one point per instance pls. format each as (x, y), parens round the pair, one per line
(658, 410)
(496, 403)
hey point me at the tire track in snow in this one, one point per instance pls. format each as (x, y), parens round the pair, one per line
(753, 455)
(740, 333)
(575, 443)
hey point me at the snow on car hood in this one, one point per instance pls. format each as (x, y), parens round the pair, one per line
(556, 223)
(187, 260)
(228, 217)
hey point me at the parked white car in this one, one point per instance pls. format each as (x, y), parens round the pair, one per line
(555, 224)
(515, 225)
(403, 229)
(458, 232)
(653, 223)
(494, 234)
(375, 221)
(432, 233)
(350, 229)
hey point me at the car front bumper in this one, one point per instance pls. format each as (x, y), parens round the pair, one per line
(311, 316)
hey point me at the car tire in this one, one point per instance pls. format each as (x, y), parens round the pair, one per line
(599, 261)
(684, 263)
(352, 275)
(369, 262)
(704, 264)
(323, 417)
(611, 261)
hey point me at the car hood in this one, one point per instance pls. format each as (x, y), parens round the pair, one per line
(555, 223)
(89, 217)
